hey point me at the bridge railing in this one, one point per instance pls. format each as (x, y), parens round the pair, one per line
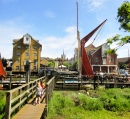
(20, 96)
(49, 91)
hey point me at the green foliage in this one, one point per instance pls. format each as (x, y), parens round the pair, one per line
(89, 103)
(2, 103)
(113, 39)
(120, 42)
(74, 65)
(58, 103)
(115, 100)
(51, 64)
(66, 64)
(111, 51)
(111, 103)
(124, 16)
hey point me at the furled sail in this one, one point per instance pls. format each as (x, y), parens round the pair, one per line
(86, 69)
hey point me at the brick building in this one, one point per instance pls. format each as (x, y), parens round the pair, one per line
(99, 60)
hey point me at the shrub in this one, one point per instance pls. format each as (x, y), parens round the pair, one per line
(89, 103)
(58, 103)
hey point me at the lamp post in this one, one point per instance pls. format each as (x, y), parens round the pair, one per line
(27, 69)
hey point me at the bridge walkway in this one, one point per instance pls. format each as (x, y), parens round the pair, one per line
(30, 111)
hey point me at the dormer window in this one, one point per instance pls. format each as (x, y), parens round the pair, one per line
(27, 39)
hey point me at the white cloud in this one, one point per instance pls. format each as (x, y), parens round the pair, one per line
(95, 4)
(53, 46)
(9, 30)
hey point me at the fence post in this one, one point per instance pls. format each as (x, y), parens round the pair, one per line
(8, 105)
(115, 81)
(98, 81)
(46, 99)
(10, 82)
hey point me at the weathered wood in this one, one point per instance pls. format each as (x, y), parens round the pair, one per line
(8, 105)
(30, 111)
(22, 94)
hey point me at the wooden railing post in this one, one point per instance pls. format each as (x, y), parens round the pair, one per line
(10, 82)
(8, 105)
(46, 99)
(115, 80)
(98, 81)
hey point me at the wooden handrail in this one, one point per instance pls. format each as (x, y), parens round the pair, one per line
(17, 97)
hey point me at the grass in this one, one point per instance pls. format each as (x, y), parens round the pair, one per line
(100, 104)
(2, 103)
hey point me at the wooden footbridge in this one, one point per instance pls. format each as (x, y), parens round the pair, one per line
(19, 101)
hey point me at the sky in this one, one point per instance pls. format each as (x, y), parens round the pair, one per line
(54, 24)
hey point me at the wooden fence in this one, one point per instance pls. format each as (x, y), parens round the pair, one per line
(18, 97)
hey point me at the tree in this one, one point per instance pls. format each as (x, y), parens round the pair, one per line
(66, 64)
(51, 64)
(120, 42)
(4, 62)
(123, 16)
(74, 65)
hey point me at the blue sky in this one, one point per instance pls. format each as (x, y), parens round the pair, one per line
(53, 23)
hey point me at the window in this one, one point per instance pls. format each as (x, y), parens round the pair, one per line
(35, 62)
(35, 54)
(21, 67)
(104, 61)
(17, 60)
(18, 46)
(18, 53)
(35, 47)
(27, 47)
(17, 67)
(26, 53)
(96, 60)
(27, 39)
(112, 60)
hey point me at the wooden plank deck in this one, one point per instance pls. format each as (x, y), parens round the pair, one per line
(30, 111)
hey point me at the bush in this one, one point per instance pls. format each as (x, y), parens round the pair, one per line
(110, 103)
(58, 103)
(89, 103)
(2, 103)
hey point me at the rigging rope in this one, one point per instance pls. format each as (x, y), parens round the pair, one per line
(89, 48)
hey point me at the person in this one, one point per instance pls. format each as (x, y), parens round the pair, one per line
(2, 77)
(95, 78)
(43, 88)
(126, 74)
(38, 93)
(101, 77)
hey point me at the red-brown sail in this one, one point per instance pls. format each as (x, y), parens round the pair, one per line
(2, 71)
(86, 66)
